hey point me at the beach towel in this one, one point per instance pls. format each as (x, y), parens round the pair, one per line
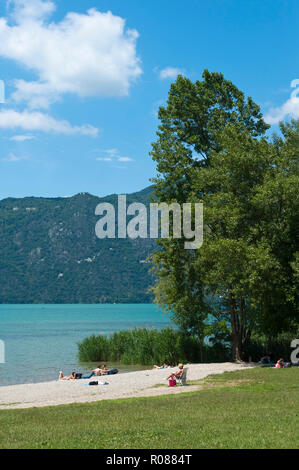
(112, 372)
(96, 383)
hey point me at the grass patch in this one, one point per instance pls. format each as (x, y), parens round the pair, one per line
(11, 403)
(254, 408)
(207, 383)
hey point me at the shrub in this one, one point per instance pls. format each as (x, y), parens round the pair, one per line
(140, 346)
(94, 348)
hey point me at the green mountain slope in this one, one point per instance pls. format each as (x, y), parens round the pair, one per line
(49, 253)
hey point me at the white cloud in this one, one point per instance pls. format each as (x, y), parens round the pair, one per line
(30, 9)
(90, 54)
(22, 138)
(113, 155)
(13, 158)
(37, 121)
(289, 108)
(170, 72)
(124, 159)
(111, 152)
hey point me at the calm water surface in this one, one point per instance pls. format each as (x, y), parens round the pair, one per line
(40, 340)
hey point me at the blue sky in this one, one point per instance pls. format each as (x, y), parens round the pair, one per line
(83, 86)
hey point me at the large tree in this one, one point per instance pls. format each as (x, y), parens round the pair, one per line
(210, 149)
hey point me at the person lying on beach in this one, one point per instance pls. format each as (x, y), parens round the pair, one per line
(69, 377)
(279, 364)
(178, 374)
(164, 366)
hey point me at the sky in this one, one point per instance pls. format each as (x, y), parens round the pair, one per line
(83, 81)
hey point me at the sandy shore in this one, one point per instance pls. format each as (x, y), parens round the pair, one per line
(126, 385)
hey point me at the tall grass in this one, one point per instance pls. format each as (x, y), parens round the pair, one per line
(147, 347)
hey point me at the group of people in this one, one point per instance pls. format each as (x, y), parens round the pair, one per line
(103, 370)
(100, 370)
(269, 361)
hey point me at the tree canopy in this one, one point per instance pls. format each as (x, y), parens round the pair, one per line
(211, 148)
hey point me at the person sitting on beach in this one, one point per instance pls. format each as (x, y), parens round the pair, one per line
(104, 369)
(178, 374)
(73, 376)
(100, 370)
(164, 366)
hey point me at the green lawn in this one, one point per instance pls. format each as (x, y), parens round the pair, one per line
(256, 408)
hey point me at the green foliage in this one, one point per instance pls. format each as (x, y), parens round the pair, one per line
(94, 348)
(148, 347)
(279, 345)
(211, 149)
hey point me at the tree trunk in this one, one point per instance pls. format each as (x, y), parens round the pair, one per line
(237, 329)
(237, 347)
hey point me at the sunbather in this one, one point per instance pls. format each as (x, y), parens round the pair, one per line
(104, 369)
(100, 370)
(164, 366)
(279, 364)
(96, 371)
(69, 377)
(178, 374)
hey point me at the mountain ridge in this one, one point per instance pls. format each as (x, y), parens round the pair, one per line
(49, 253)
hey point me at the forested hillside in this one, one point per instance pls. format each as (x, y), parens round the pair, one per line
(49, 253)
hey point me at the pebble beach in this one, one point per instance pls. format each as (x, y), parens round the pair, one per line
(143, 383)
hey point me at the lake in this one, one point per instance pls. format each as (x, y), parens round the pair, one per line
(41, 340)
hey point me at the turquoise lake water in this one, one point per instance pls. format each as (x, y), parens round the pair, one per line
(41, 340)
